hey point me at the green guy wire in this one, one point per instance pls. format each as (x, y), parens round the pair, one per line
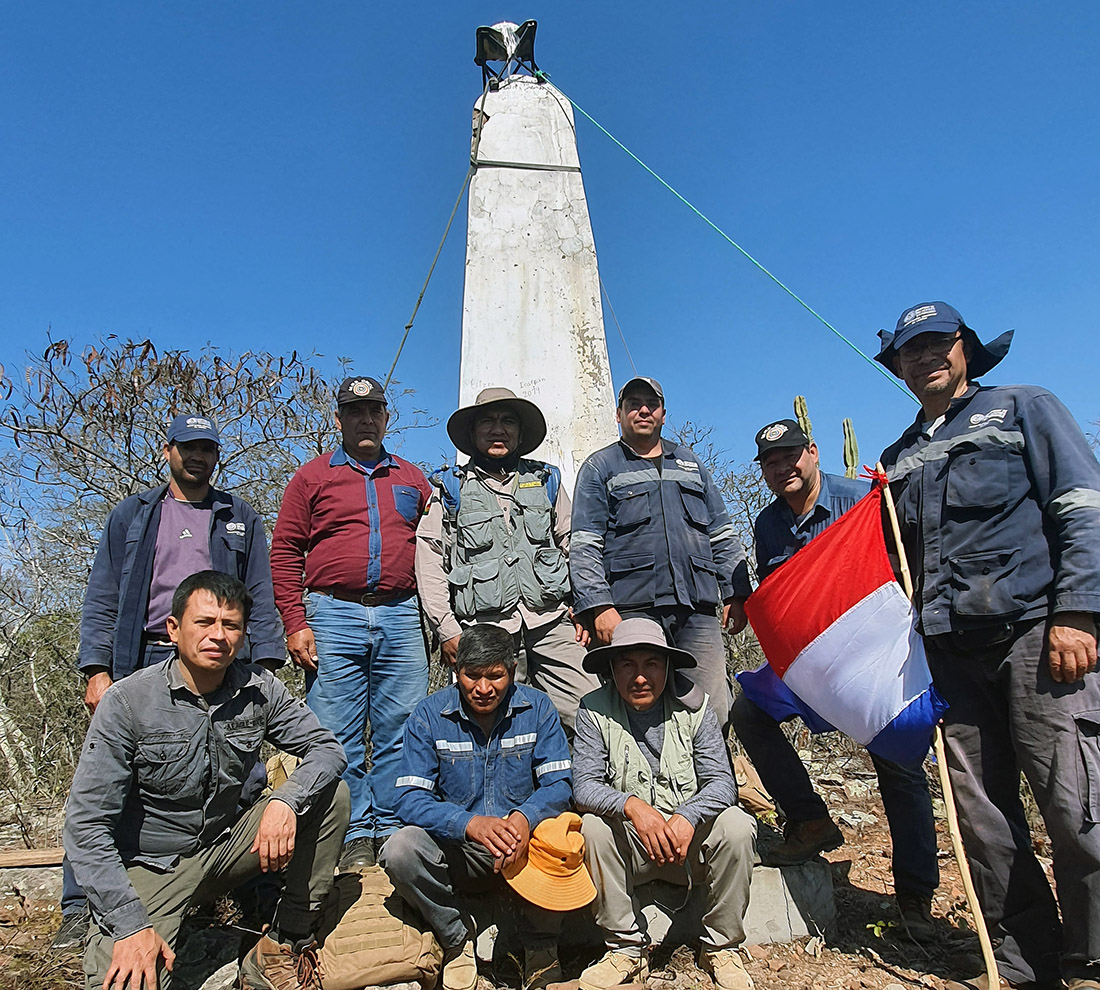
(707, 220)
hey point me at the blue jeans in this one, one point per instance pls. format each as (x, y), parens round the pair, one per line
(903, 789)
(372, 668)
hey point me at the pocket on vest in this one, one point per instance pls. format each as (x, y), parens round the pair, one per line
(475, 530)
(705, 574)
(479, 587)
(982, 583)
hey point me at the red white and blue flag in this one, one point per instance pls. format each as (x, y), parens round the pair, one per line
(840, 638)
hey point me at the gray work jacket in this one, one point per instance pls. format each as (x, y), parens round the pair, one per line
(161, 771)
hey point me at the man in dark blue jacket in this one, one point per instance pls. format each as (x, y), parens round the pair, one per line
(651, 536)
(152, 541)
(998, 496)
(807, 502)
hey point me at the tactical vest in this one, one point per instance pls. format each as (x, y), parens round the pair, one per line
(495, 562)
(627, 768)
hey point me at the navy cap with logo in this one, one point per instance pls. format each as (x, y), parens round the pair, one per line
(360, 389)
(192, 426)
(651, 383)
(781, 433)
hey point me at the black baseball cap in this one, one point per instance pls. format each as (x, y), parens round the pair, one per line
(781, 433)
(360, 389)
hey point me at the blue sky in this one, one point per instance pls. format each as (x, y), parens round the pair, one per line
(277, 175)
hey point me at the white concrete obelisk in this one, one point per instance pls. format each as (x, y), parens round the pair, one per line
(531, 314)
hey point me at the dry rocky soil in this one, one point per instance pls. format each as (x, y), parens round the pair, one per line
(865, 948)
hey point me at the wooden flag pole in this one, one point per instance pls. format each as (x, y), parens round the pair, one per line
(945, 780)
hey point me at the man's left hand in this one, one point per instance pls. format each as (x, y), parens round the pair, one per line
(733, 616)
(517, 821)
(1071, 645)
(683, 832)
(275, 837)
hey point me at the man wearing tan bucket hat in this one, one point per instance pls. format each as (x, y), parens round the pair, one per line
(492, 546)
(652, 774)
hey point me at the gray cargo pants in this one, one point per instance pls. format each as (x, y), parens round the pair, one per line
(720, 858)
(226, 863)
(1007, 714)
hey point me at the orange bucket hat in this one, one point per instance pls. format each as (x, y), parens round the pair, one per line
(554, 875)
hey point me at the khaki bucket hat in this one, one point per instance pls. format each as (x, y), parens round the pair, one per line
(530, 416)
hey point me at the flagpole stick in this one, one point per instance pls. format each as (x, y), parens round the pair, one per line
(945, 780)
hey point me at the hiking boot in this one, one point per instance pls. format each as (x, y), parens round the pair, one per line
(614, 969)
(916, 915)
(275, 965)
(1083, 983)
(74, 927)
(981, 982)
(357, 855)
(541, 968)
(802, 841)
(725, 968)
(460, 967)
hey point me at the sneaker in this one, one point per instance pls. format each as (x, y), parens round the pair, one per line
(614, 969)
(725, 968)
(541, 968)
(460, 967)
(275, 965)
(74, 927)
(802, 841)
(916, 915)
(357, 855)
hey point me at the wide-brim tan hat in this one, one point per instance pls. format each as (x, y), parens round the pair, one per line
(532, 422)
(553, 875)
(630, 634)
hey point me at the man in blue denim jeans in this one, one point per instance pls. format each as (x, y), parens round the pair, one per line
(342, 564)
(484, 762)
(807, 501)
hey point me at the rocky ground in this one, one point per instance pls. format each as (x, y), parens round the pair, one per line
(866, 947)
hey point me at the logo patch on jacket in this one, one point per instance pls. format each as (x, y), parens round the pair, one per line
(687, 465)
(979, 419)
(236, 528)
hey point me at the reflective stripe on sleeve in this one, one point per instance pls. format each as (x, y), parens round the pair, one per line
(551, 767)
(416, 782)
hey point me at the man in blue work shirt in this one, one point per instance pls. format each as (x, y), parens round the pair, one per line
(483, 762)
(998, 497)
(651, 536)
(807, 501)
(151, 542)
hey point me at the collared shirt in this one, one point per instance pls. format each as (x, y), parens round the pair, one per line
(778, 534)
(117, 598)
(432, 548)
(999, 510)
(344, 526)
(450, 772)
(161, 772)
(644, 536)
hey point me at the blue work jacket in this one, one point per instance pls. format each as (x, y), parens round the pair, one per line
(117, 599)
(999, 510)
(450, 772)
(643, 537)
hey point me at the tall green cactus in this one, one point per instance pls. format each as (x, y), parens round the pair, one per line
(803, 415)
(851, 450)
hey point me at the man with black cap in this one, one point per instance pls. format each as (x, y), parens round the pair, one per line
(492, 546)
(152, 541)
(652, 775)
(342, 561)
(998, 496)
(807, 502)
(652, 536)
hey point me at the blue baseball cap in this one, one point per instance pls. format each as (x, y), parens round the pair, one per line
(192, 426)
(938, 317)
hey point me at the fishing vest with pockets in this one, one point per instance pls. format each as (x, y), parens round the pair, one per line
(628, 770)
(495, 562)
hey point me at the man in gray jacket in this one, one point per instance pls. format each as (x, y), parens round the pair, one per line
(153, 825)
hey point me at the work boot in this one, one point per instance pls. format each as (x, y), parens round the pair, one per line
(74, 927)
(357, 855)
(981, 982)
(1083, 983)
(916, 915)
(460, 967)
(802, 841)
(725, 968)
(541, 968)
(275, 965)
(614, 969)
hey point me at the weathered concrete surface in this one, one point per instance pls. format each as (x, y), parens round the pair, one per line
(531, 316)
(37, 884)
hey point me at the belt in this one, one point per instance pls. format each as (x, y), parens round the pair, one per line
(362, 598)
